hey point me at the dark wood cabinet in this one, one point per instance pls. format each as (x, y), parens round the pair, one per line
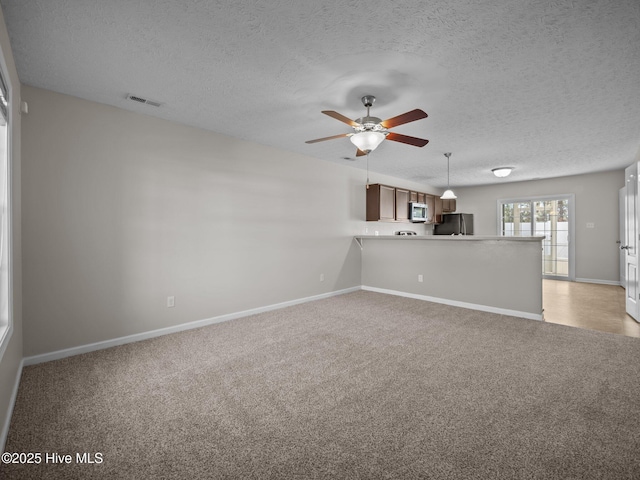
(402, 204)
(418, 197)
(449, 206)
(437, 211)
(430, 200)
(381, 203)
(391, 204)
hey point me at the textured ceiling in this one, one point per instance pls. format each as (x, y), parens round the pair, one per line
(551, 88)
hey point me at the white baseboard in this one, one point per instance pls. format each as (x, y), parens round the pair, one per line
(12, 403)
(455, 303)
(602, 282)
(68, 352)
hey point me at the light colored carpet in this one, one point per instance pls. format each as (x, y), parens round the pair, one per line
(363, 385)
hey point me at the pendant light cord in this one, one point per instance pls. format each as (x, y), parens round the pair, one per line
(448, 155)
(448, 182)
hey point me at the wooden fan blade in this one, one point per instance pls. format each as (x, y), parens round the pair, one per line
(416, 142)
(411, 116)
(360, 153)
(339, 116)
(329, 138)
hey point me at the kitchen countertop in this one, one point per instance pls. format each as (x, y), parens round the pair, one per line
(457, 238)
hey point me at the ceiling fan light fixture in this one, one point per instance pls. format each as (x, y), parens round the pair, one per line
(502, 172)
(367, 141)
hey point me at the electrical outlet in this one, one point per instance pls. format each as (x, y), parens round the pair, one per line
(171, 301)
(420, 278)
(322, 277)
(591, 225)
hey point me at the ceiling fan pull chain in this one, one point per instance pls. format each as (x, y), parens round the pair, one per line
(367, 170)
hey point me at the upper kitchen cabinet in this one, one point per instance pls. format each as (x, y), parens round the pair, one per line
(449, 206)
(381, 203)
(436, 213)
(430, 200)
(438, 206)
(418, 197)
(402, 204)
(391, 204)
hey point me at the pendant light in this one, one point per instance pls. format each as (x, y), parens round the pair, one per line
(448, 194)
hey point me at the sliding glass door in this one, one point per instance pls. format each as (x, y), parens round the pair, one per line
(551, 217)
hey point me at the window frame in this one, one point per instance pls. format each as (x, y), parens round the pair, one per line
(6, 331)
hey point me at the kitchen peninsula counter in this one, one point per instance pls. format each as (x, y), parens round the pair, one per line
(490, 273)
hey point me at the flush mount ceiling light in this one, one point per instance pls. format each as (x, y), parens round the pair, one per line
(502, 172)
(448, 194)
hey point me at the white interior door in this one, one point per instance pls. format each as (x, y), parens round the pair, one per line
(631, 241)
(622, 206)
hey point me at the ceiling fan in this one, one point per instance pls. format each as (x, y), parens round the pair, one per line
(369, 132)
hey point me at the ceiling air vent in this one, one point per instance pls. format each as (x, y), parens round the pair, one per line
(146, 101)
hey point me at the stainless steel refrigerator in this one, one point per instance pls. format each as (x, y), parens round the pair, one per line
(455, 224)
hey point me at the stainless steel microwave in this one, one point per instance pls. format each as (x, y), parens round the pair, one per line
(418, 212)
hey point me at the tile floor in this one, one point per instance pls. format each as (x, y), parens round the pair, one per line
(588, 305)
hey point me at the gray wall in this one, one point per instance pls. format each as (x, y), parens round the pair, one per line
(457, 270)
(10, 362)
(122, 210)
(596, 197)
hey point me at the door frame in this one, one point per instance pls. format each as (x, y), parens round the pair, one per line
(571, 276)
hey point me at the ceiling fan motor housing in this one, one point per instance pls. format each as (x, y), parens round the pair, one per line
(368, 100)
(370, 124)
